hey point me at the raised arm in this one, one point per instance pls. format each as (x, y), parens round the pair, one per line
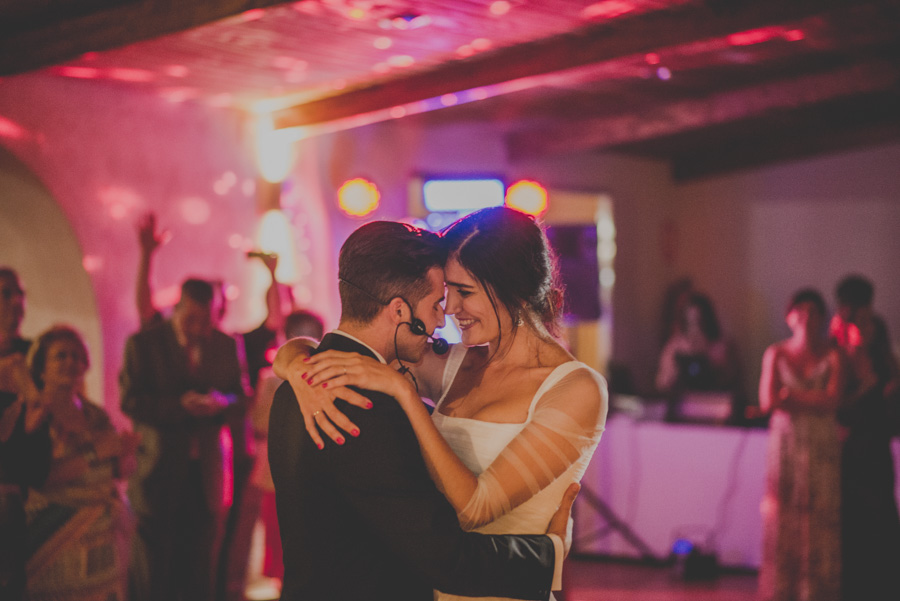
(149, 240)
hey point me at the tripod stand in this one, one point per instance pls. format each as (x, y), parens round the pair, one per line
(614, 524)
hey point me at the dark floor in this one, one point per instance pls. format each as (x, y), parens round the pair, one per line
(597, 579)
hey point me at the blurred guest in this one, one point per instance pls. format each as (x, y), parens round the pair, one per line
(12, 311)
(675, 299)
(698, 356)
(79, 525)
(253, 350)
(260, 497)
(871, 527)
(256, 342)
(800, 387)
(180, 380)
(24, 437)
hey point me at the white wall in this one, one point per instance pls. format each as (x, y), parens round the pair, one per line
(752, 238)
(38, 242)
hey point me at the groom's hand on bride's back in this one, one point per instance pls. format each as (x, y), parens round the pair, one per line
(559, 523)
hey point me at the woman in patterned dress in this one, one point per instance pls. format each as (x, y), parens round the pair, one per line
(79, 524)
(800, 387)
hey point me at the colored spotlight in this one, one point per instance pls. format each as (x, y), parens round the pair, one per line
(527, 196)
(358, 197)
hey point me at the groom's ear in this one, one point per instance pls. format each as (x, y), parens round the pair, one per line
(397, 310)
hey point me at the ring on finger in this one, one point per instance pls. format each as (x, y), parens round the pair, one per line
(315, 413)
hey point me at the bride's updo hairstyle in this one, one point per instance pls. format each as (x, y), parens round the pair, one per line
(508, 253)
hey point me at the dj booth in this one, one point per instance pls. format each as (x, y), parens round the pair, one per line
(652, 483)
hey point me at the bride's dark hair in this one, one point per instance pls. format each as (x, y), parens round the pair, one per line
(508, 253)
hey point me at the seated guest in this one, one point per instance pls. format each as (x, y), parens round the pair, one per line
(698, 358)
(79, 525)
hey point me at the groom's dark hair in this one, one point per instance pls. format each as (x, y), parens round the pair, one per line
(382, 260)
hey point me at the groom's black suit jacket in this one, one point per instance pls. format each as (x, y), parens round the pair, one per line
(363, 520)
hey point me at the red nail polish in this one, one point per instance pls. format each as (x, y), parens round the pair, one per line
(339, 441)
(354, 432)
(369, 405)
(303, 375)
(324, 384)
(320, 445)
(309, 381)
(305, 359)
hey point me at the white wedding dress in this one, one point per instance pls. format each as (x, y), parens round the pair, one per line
(524, 468)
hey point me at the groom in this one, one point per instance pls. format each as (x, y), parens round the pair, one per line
(364, 520)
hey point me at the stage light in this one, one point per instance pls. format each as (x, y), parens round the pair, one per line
(358, 197)
(274, 150)
(527, 196)
(276, 235)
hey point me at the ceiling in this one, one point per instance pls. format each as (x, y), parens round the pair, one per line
(708, 85)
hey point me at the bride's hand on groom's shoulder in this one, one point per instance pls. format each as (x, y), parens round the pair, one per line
(333, 369)
(317, 404)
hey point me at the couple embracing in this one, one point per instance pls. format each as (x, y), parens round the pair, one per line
(395, 502)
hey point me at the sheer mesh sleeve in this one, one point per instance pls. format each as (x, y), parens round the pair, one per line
(565, 427)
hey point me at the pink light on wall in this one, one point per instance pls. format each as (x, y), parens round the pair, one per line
(176, 71)
(92, 263)
(195, 210)
(177, 95)
(608, 9)
(119, 201)
(232, 292)
(236, 241)
(11, 129)
(164, 298)
(754, 36)
(77, 72)
(133, 75)
(500, 7)
(253, 14)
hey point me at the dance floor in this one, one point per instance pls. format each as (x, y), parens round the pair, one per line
(589, 579)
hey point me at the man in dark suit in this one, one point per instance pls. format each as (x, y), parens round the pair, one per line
(364, 520)
(180, 380)
(24, 438)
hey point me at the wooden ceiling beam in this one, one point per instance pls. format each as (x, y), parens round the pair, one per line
(838, 126)
(524, 65)
(35, 35)
(714, 110)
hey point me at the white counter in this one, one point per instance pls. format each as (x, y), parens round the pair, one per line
(668, 481)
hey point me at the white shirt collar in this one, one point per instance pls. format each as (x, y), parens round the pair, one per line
(355, 339)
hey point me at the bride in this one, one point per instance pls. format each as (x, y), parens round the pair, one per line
(517, 418)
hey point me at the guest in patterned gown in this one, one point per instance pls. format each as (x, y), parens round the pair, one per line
(79, 524)
(800, 387)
